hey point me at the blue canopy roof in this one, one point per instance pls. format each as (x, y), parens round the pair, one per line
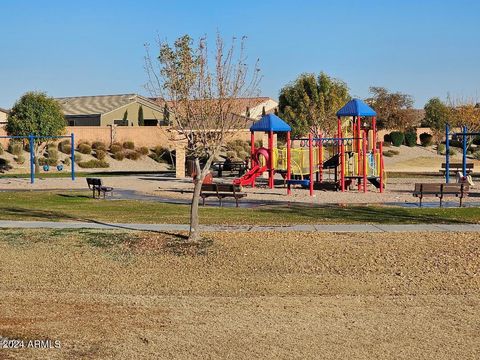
(271, 122)
(356, 107)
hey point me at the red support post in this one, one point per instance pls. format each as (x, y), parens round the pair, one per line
(381, 166)
(320, 158)
(289, 161)
(364, 150)
(270, 161)
(359, 133)
(374, 135)
(253, 161)
(310, 159)
(342, 164)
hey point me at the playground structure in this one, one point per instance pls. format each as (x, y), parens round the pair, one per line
(464, 135)
(352, 156)
(31, 140)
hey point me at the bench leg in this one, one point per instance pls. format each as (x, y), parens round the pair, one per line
(220, 199)
(236, 201)
(421, 197)
(461, 200)
(203, 201)
(441, 200)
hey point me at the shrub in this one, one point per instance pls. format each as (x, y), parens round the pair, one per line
(115, 148)
(100, 154)
(4, 165)
(78, 158)
(67, 161)
(411, 138)
(387, 154)
(62, 146)
(84, 148)
(387, 139)
(98, 145)
(15, 148)
(231, 154)
(20, 159)
(1, 149)
(476, 140)
(120, 155)
(387, 144)
(129, 145)
(133, 155)
(452, 152)
(162, 155)
(441, 149)
(47, 161)
(426, 139)
(397, 138)
(476, 155)
(53, 153)
(143, 150)
(94, 163)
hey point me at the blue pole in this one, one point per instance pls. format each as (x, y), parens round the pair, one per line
(447, 153)
(72, 154)
(32, 159)
(464, 159)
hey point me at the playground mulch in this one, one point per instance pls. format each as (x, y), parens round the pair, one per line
(117, 294)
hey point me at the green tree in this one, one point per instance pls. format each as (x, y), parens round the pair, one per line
(37, 114)
(394, 110)
(437, 115)
(311, 102)
(141, 121)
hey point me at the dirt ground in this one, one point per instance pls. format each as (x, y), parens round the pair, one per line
(270, 295)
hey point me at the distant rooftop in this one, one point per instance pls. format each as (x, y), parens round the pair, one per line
(99, 104)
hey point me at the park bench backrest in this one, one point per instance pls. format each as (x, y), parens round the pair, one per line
(441, 188)
(94, 182)
(458, 165)
(220, 188)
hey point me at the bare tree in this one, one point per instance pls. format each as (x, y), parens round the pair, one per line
(200, 89)
(465, 112)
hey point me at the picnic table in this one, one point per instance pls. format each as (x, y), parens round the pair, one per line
(238, 167)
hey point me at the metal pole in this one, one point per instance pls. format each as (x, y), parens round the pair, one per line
(270, 165)
(32, 159)
(342, 165)
(72, 154)
(364, 163)
(464, 159)
(289, 161)
(310, 160)
(447, 153)
(381, 166)
(320, 159)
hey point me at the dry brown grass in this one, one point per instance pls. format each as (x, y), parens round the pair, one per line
(249, 295)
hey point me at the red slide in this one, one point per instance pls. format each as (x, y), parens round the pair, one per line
(250, 176)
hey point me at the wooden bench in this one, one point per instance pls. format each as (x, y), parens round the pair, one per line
(97, 186)
(440, 191)
(456, 167)
(221, 191)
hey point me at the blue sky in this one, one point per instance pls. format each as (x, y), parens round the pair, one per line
(68, 48)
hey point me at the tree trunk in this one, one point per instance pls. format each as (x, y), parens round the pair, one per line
(194, 234)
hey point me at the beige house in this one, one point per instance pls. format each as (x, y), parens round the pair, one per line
(251, 108)
(3, 116)
(103, 110)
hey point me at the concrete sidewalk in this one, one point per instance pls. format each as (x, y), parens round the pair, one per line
(355, 228)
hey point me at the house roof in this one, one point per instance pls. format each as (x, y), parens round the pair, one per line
(356, 107)
(101, 104)
(239, 105)
(4, 110)
(271, 122)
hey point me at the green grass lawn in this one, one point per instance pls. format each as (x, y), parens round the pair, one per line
(78, 205)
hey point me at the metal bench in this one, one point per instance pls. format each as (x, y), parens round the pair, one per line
(97, 187)
(440, 191)
(221, 191)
